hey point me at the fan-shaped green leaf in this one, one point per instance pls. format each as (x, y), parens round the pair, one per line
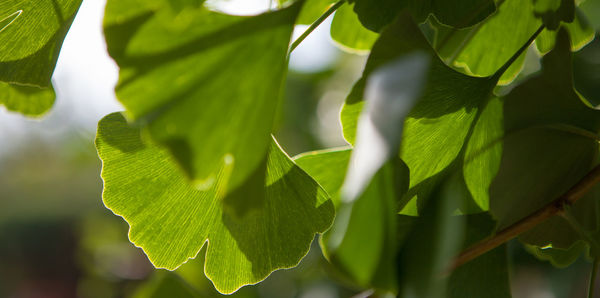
(484, 48)
(439, 125)
(27, 100)
(348, 33)
(31, 35)
(249, 233)
(362, 242)
(312, 10)
(580, 31)
(549, 142)
(204, 84)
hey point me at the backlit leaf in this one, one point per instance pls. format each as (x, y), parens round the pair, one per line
(204, 84)
(249, 233)
(31, 35)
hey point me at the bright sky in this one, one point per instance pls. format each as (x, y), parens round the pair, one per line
(85, 75)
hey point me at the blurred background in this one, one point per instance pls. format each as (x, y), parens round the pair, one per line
(58, 240)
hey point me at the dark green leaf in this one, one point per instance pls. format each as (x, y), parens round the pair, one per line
(580, 31)
(31, 35)
(550, 140)
(250, 233)
(487, 275)
(204, 84)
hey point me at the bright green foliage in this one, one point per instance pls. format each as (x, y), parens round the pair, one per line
(580, 31)
(31, 35)
(483, 49)
(27, 100)
(552, 12)
(204, 84)
(363, 241)
(312, 10)
(434, 133)
(347, 31)
(249, 234)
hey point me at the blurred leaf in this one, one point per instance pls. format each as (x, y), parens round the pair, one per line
(31, 35)
(391, 92)
(250, 234)
(362, 243)
(438, 126)
(348, 33)
(483, 49)
(204, 84)
(165, 285)
(586, 72)
(591, 8)
(312, 10)
(550, 143)
(580, 32)
(435, 238)
(487, 275)
(559, 257)
(27, 100)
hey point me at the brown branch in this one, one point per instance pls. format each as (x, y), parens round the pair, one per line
(555, 207)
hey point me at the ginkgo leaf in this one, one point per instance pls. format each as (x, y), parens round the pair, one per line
(248, 234)
(481, 50)
(553, 12)
(438, 126)
(580, 32)
(31, 35)
(312, 10)
(348, 33)
(487, 275)
(27, 100)
(376, 14)
(203, 84)
(362, 242)
(549, 141)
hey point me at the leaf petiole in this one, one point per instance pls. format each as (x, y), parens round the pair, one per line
(315, 24)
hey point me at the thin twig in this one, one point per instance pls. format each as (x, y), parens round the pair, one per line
(553, 208)
(316, 24)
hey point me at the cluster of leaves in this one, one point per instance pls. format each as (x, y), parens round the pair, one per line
(451, 141)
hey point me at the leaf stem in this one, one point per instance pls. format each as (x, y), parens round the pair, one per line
(518, 53)
(592, 283)
(316, 24)
(555, 207)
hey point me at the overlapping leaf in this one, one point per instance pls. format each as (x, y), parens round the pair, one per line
(203, 84)
(362, 243)
(481, 50)
(347, 31)
(375, 15)
(31, 35)
(437, 128)
(249, 233)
